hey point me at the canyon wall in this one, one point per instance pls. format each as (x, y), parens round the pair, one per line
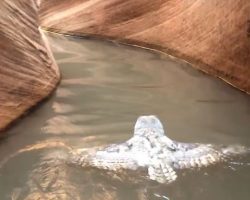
(213, 35)
(28, 72)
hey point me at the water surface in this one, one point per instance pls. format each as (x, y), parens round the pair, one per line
(104, 88)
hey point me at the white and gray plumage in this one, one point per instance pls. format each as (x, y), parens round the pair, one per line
(150, 148)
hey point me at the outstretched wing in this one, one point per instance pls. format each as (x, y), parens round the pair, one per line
(112, 161)
(161, 172)
(103, 159)
(194, 155)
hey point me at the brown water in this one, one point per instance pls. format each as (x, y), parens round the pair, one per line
(104, 88)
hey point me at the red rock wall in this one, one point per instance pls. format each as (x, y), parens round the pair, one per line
(214, 35)
(28, 72)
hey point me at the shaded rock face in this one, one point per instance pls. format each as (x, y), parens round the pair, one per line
(28, 72)
(213, 35)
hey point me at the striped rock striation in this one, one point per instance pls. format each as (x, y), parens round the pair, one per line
(28, 72)
(212, 35)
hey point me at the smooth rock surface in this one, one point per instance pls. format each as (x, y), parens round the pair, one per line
(213, 35)
(28, 72)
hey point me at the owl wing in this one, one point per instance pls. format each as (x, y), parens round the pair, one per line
(194, 155)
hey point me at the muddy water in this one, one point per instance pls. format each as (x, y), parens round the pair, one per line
(104, 88)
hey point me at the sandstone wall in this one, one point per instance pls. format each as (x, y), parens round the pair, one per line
(214, 35)
(28, 72)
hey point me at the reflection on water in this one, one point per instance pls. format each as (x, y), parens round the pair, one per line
(104, 89)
